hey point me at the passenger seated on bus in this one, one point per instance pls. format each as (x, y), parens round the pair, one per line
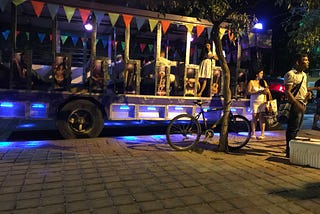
(147, 77)
(163, 61)
(191, 83)
(130, 79)
(97, 76)
(61, 75)
(118, 74)
(19, 70)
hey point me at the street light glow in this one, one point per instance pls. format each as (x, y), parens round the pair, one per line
(258, 26)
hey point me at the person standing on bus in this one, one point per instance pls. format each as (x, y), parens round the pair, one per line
(205, 70)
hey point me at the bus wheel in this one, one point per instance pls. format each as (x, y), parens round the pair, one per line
(80, 119)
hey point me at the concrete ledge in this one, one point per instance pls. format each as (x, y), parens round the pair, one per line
(305, 152)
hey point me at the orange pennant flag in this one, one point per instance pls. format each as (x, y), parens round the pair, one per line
(165, 25)
(127, 19)
(37, 6)
(84, 15)
(200, 29)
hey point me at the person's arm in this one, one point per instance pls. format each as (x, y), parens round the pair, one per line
(292, 98)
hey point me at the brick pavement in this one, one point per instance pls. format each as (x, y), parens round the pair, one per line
(144, 175)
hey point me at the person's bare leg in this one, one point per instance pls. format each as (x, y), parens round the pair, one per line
(254, 124)
(203, 86)
(262, 124)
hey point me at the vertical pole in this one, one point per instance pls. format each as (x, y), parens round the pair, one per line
(127, 44)
(13, 39)
(187, 58)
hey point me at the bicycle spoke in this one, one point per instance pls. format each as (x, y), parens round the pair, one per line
(183, 132)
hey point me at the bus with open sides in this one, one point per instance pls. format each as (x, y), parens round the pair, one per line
(131, 65)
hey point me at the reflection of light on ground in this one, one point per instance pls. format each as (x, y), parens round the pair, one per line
(25, 144)
(26, 125)
(159, 137)
(140, 139)
(5, 144)
(33, 144)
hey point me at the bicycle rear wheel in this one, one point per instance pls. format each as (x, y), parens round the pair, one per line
(239, 132)
(183, 132)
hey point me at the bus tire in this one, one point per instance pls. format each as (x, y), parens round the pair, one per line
(80, 119)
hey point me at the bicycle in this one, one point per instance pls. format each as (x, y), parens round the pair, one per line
(184, 130)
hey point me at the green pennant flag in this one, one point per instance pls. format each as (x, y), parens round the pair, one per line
(69, 12)
(28, 36)
(123, 45)
(150, 46)
(17, 2)
(63, 38)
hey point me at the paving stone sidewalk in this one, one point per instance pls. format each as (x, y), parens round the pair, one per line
(144, 175)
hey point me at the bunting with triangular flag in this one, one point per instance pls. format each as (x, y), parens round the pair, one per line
(104, 42)
(142, 47)
(63, 38)
(37, 7)
(200, 29)
(84, 15)
(165, 25)
(99, 16)
(53, 10)
(127, 19)
(5, 34)
(209, 29)
(17, 2)
(69, 11)
(140, 21)
(41, 36)
(113, 18)
(221, 32)
(189, 27)
(74, 40)
(123, 45)
(153, 23)
(150, 46)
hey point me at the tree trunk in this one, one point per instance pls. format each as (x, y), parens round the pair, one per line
(226, 91)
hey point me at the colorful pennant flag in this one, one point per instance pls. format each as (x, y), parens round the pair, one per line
(63, 38)
(69, 12)
(74, 40)
(142, 47)
(104, 42)
(53, 9)
(165, 25)
(189, 27)
(41, 36)
(221, 32)
(84, 15)
(123, 45)
(200, 29)
(113, 18)
(127, 19)
(37, 7)
(17, 2)
(5, 34)
(99, 16)
(209, 29)
(28, 36)
(150, 46)
(140, 21)
(153, 23)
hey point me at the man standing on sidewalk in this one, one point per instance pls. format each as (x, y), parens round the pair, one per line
(292, 79)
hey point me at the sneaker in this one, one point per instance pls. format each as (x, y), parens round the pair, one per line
(253, 137)
(261, 137)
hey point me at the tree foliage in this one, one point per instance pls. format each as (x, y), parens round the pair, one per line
(302, 24)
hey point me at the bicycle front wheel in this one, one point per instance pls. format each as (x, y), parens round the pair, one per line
(183, 132)
(239, 132)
